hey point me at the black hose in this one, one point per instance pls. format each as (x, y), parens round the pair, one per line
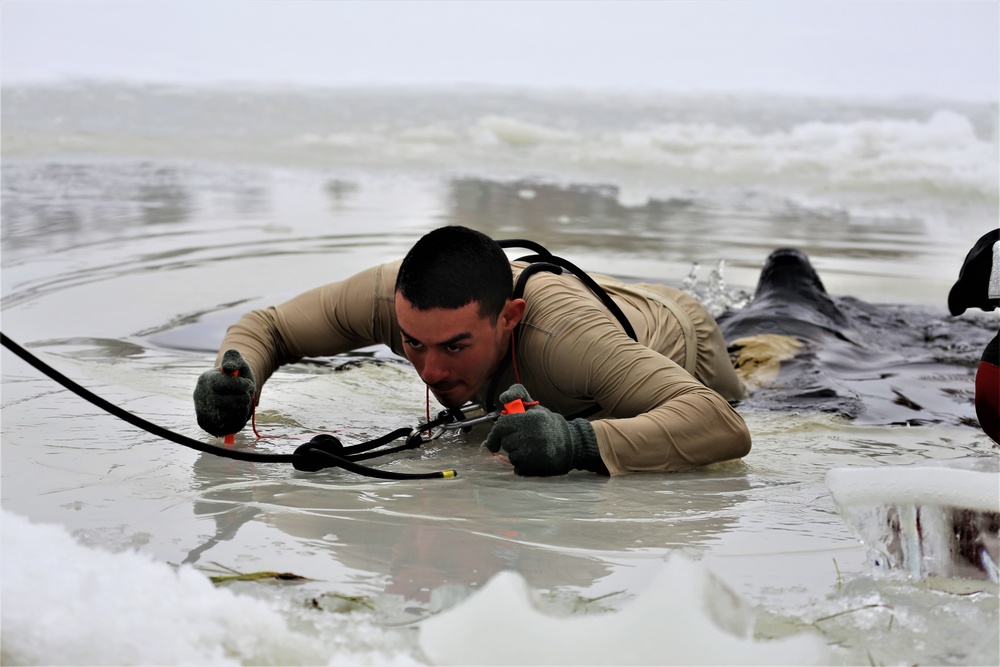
(312, 456)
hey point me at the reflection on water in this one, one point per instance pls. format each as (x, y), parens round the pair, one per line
(80, 202)
(62, 199)
(590, 217)
(340, 193)
(690, 229)
(556, 533)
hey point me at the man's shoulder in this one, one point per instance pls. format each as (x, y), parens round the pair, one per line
(557, 305)
(382, 278)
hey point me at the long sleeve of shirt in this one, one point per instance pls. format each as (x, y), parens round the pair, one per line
(328, 320)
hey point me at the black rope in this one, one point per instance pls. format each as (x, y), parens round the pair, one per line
(323, 451)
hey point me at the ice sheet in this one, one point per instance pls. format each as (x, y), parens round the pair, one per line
(938, 519)
(974, 486)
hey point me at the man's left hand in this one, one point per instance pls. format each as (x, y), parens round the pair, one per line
(541, 442)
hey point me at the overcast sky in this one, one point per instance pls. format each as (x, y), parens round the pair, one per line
(947, 48)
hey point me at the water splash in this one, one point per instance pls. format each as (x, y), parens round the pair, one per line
(715, 294)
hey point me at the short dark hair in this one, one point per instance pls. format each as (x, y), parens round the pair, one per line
(453, 266)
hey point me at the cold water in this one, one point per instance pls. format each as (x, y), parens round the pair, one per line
(139, 221)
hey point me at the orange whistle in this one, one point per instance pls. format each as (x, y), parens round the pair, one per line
(517, 405)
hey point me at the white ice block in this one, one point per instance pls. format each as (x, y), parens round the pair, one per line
(933, 519)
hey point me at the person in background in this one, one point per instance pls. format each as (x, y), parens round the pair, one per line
(597, 400)
(978, 286)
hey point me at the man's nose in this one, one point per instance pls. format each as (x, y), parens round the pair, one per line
(435, 367)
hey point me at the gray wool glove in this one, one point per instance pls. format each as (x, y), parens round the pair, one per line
(224, 396)
(541, 442)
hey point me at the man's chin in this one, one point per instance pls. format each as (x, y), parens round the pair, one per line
(453, 398)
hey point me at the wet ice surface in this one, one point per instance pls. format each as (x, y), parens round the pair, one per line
(930, 520)
(133, 307)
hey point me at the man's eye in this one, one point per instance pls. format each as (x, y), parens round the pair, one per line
(455, 348)
(412, 343)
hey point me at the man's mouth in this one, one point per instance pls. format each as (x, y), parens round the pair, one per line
(442, 390)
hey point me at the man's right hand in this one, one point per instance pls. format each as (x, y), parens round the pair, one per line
(224, 396)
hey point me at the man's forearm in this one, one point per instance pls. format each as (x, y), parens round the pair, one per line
(257, 336)
(691, 430)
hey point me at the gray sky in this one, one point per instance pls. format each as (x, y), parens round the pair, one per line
(947, 48)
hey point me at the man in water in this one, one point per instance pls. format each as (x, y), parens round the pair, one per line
(659, 403)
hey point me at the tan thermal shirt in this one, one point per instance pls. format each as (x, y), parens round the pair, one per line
(571, 352)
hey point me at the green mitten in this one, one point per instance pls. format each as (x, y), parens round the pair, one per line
(541, 442)
(224, 396)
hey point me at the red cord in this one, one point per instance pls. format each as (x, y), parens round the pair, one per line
(427, 395)
(513, 358)
(253, 424)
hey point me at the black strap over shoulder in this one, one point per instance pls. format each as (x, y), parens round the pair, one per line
(543, 260)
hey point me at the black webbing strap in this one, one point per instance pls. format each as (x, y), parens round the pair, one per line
(543, 260)
(546, 261)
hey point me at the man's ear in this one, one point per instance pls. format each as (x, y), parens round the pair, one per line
(512, 313)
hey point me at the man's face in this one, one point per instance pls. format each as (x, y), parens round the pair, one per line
(455, 350)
